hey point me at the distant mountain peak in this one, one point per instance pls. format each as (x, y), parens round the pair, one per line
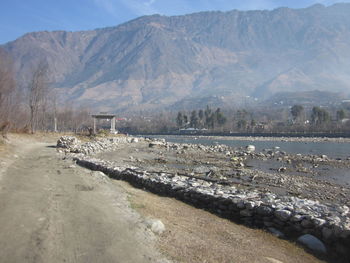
(317, 6)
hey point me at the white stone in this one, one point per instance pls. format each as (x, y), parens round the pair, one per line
(155, 225)
(319, 221)
(250, 148)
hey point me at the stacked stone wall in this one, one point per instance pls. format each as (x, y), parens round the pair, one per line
(285, 216)
(291, 216)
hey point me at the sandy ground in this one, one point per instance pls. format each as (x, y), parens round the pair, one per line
(53, 211)
(194, 235)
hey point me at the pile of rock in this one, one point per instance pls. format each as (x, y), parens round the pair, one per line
(68, 142)
(73, 145)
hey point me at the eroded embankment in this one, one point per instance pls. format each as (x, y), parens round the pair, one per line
(291, 215)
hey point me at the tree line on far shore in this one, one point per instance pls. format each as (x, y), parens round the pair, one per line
(206, 118)
(297, 118)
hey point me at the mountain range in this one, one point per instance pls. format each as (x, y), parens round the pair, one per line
(159, 62)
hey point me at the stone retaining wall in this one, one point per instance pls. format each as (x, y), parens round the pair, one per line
(290, 215)
(284, 216)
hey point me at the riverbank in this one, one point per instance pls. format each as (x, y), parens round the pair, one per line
(218, 179)
(250, 137)
(307, 137)
(194, 235)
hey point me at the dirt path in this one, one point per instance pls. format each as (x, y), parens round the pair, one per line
(53, 211)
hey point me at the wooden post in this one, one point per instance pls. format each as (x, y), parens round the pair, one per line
(94, 125)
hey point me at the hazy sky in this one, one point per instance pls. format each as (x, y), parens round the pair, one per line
(18, 17)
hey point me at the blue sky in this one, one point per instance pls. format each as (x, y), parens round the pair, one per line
(18, 17)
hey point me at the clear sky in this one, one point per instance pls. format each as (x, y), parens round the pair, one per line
(18, 17)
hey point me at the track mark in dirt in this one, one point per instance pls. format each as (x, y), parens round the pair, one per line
(85, 188)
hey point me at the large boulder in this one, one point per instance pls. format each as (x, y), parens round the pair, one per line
(312, 243)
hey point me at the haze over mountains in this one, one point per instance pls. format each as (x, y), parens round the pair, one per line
(157, 62)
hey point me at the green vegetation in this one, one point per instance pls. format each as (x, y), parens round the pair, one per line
(340, 114)
(207, 118)
(319, 116)
(297, 111)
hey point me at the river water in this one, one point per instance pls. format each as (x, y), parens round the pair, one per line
(328, 173)
(331, 149)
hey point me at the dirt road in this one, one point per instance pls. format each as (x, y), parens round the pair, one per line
(53, 211)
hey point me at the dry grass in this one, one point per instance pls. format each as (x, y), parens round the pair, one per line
(4, 145)
(194, 235)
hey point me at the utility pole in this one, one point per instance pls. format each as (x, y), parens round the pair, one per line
(55, 124)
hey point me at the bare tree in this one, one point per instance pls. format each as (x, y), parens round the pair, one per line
(7, 86)
(38, 91)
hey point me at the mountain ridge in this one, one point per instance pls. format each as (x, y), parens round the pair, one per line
(153, 62)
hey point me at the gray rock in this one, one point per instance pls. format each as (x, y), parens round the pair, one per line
(312, 243)
(268, 223)
(201, 170)
(264, 210)
(283, 215)
(327, 233)
(246, 212)
(307, 223)
(276, 232)
(297, 218)
(240, 164)
(282, 169)
(344, 210)
(249, 205)
(319, 221)
(155, 144)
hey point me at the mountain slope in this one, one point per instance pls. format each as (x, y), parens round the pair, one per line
(154, 62)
